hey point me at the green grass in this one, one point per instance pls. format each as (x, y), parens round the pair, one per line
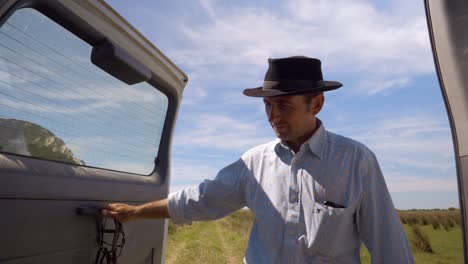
(221, 241)
(225, 240)
(447, 245)
(197, 244)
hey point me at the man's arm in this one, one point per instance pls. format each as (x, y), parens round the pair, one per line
(126, 212)
(377, 220)
(212, 199)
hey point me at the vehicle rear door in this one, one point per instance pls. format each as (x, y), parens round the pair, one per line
(87, 111)
(448, 29)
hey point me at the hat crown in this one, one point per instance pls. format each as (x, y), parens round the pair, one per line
(293, 76)
(294, 68)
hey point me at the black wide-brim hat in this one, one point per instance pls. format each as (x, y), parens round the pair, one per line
(293, 76)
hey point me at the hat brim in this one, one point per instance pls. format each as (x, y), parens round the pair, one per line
(260, 92)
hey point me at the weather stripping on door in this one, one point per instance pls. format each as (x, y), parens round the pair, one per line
(108, 252)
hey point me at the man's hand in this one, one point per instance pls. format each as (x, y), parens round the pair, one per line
(121, 212)
(126, 212)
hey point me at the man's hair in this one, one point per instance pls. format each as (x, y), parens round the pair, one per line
(309, 97)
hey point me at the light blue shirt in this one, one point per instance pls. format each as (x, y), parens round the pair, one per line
(287, 191)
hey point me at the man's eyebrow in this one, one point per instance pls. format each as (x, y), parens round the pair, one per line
(283, 101)
(278, 101)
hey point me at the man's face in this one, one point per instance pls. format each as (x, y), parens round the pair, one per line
(290, 116)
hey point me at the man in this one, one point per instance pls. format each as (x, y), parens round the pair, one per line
(315, 195)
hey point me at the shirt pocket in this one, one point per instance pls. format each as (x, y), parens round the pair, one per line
(327, 229)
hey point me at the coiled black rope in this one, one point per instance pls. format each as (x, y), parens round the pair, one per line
(109, 252)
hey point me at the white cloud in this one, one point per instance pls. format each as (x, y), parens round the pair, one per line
(132, 167)
(107, 95)
(177, 187)
(112, 151)
(70, 91)
(377, 86)
(377, 40)
(191, 171)
(221, 132)
(187, 173)
(415, 153)
(137, 109)
(413, 183)
(350, 36)
(193, 94)
(35, 107)
(420, 134)
(206, 4)
(440, 164)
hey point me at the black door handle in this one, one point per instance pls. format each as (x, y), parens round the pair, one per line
(88, 210)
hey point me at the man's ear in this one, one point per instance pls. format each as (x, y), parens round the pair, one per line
(317, 103)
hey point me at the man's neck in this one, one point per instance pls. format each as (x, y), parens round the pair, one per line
(296, 144)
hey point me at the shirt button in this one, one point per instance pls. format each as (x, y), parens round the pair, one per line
(293, 198)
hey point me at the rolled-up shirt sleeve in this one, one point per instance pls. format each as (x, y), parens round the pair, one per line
(211, 199)
(377, 220)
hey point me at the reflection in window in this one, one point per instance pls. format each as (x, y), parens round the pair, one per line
(25, 138)
(55, 104)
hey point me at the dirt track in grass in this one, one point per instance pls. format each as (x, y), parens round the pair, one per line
(225, 240)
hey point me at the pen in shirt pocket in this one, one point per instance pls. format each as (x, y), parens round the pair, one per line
(334, 205)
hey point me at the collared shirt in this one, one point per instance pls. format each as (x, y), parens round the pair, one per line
(288, 193)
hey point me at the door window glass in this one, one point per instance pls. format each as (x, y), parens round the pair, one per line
(56, 105)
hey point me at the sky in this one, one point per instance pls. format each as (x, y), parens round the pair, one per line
(379, 50)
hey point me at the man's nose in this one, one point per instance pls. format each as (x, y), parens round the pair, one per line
(273, 113)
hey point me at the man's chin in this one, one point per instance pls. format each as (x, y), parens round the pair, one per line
(282, 136)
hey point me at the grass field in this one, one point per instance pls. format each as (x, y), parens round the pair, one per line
(225, 240)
